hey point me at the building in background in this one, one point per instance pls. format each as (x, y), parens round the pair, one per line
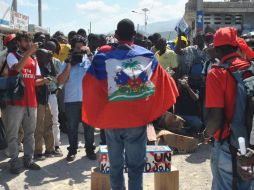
(32, 28)
(239, 14)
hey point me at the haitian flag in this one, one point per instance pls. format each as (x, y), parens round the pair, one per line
(126, 87)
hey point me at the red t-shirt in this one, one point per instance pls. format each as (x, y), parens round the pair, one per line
(221, 90)
(29, 73)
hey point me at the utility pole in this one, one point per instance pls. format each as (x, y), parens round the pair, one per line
(145, 11)
(14, 5)
(39, 13)
(90, 27)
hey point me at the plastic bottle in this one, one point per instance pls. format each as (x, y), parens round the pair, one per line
(243, 149)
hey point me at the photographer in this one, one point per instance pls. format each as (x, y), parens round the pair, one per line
(187, 105)
(54, 89)
(71, 76)
(47, 121)
(43, 129)
(40, 38)
(25, 110)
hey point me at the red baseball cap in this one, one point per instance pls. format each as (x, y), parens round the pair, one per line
(8, 38)
(225, 36)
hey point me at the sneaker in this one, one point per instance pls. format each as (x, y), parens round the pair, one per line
(31, 166)
(39, 157)
(49, 154)
(15, 170)
(70, 157)
(21, 149)
(91, 155)
(58, 152)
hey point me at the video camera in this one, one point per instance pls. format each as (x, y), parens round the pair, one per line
(40, 45)
(76, 56)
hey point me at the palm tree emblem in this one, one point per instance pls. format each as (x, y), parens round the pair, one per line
(134, 65)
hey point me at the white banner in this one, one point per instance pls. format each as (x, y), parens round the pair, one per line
(158, 159)
(19, 21)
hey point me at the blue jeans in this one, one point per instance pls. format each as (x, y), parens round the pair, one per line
(73, 114)
(194, 122)
(133, 142)
(221, 165)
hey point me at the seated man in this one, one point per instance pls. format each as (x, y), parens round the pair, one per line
(187, 105)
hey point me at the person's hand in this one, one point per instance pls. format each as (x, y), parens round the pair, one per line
(57, 92)
(205, 138)
(33, 48)
(86, 49)
(185, 83)
(247, 159)
(245, 174)
(46, 81)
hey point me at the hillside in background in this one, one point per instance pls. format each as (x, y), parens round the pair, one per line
(165, 28)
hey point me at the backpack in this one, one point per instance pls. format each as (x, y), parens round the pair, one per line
(241, 123)
(12, 87)
(195, 76)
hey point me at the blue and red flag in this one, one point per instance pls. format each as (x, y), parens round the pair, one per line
(126, 88)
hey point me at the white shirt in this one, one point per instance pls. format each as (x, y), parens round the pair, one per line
(12, 60)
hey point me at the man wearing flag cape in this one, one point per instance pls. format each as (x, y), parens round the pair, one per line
(125, 89)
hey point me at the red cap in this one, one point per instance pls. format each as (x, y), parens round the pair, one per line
(225, 36)
(9, 38)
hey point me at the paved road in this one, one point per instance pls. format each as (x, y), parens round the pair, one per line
(57, 174)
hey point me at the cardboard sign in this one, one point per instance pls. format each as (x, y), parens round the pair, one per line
(158, 159)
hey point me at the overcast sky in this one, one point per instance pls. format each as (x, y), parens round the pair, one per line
(67, 15)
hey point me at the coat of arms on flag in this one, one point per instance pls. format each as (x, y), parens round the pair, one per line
(126, 87)
(129, 79)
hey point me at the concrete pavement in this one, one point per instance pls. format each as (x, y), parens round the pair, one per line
(57, 174)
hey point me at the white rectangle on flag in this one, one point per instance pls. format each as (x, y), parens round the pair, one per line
(129, 79)
(183, 26)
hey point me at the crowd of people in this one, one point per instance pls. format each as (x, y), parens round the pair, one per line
(87, 78)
